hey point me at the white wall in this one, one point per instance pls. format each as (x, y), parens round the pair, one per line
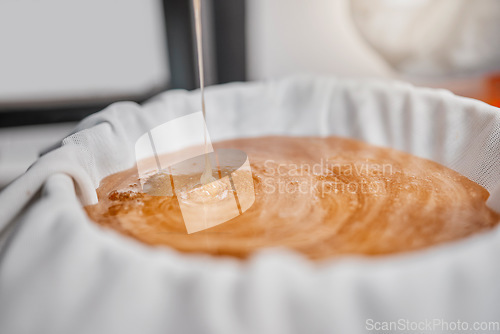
(299, 36)
(65, 49)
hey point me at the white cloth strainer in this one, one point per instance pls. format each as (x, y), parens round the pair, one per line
(61, 273)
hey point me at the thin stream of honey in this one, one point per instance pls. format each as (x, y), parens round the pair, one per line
(206, 177)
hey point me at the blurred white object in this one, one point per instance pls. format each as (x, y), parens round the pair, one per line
(287, 37)
(65, 274)
(58, 50)
(432, 37)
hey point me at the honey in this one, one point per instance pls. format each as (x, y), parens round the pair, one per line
(322, 197)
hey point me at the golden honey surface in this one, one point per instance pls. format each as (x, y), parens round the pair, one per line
(322, 197)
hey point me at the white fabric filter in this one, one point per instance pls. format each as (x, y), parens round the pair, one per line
(61, 273)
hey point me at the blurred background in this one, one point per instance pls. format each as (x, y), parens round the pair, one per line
(62, 60)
